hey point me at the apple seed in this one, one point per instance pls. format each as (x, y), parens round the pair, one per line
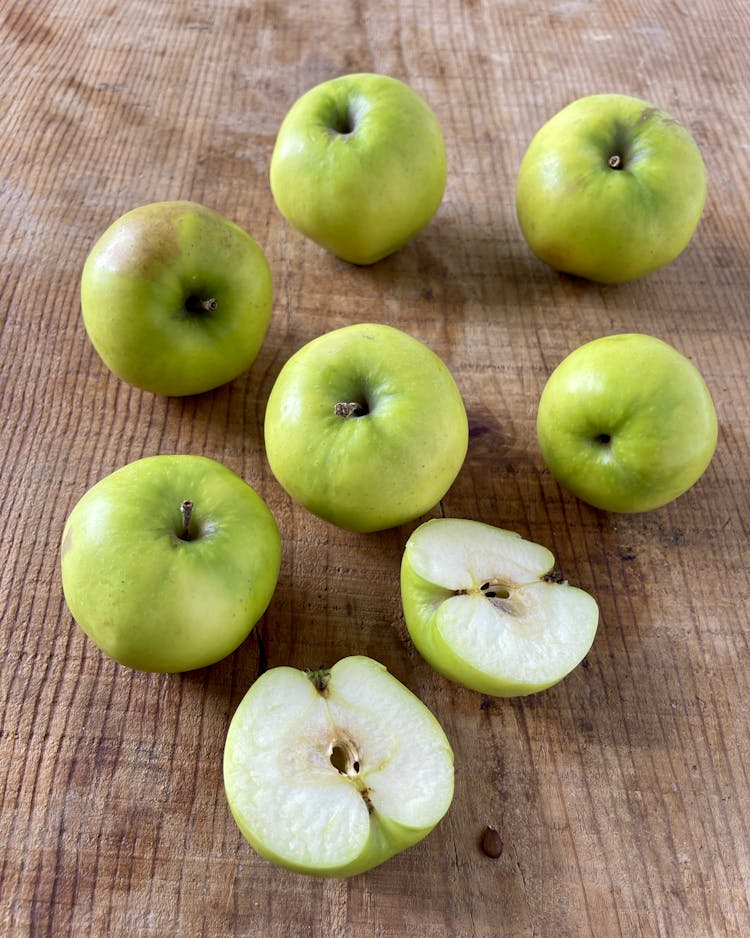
(344, 757)
(492, 843)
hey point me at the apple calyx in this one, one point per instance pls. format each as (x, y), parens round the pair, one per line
(186, 510)
(351, 409)
(319, 679)
(346, 117)
(344, 122)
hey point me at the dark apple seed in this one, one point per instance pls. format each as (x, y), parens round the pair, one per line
(492, 843)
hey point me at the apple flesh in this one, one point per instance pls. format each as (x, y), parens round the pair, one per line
(176, 298)
(168, 563)
(611, 188)
(359, 166)
(332, 772)
(482, 610)
(626, 423)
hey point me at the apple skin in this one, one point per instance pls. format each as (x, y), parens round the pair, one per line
(536, 629)
(141, 292)
(148, 598)
(362, 693)
(583, 217)
(626, 423)
(376, 471)
(359, 166)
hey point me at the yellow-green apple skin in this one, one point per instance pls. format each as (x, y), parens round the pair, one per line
(153, 593)
(333, 772)
(359, 166)
(365, 427)
(626, 423)
(481, 609)
(610, 189)
(176, 298)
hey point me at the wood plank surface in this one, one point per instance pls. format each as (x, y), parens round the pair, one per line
(621, 795)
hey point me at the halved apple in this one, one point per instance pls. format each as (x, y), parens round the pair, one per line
(332, 772)
(482, 608)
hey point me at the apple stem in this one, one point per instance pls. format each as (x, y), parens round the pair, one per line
(615, 161)
(186, 510)
(352, 409)
(196, 304)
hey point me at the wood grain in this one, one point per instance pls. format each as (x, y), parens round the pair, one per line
(621, 796)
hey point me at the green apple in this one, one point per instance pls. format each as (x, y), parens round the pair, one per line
(366, 427)
(626, 423)
(482, 609)
(359, 166)
(168, 563)
(332, 772)
(610, 189)
(176, 299)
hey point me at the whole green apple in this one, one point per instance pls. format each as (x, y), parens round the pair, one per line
(176, 298)
(482, 610)
(366, 427)
(359, 166)
(332, 772)
(168, 563)
(626, 423)
(610, 189)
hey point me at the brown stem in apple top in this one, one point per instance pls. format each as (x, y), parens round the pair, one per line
(352, 409)
(196, 304)
(186, 510)
(615, 161)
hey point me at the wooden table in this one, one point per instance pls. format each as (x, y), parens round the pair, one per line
(622, 795)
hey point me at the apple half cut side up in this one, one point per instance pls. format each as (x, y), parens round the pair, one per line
(332, 772)
(484, 610)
